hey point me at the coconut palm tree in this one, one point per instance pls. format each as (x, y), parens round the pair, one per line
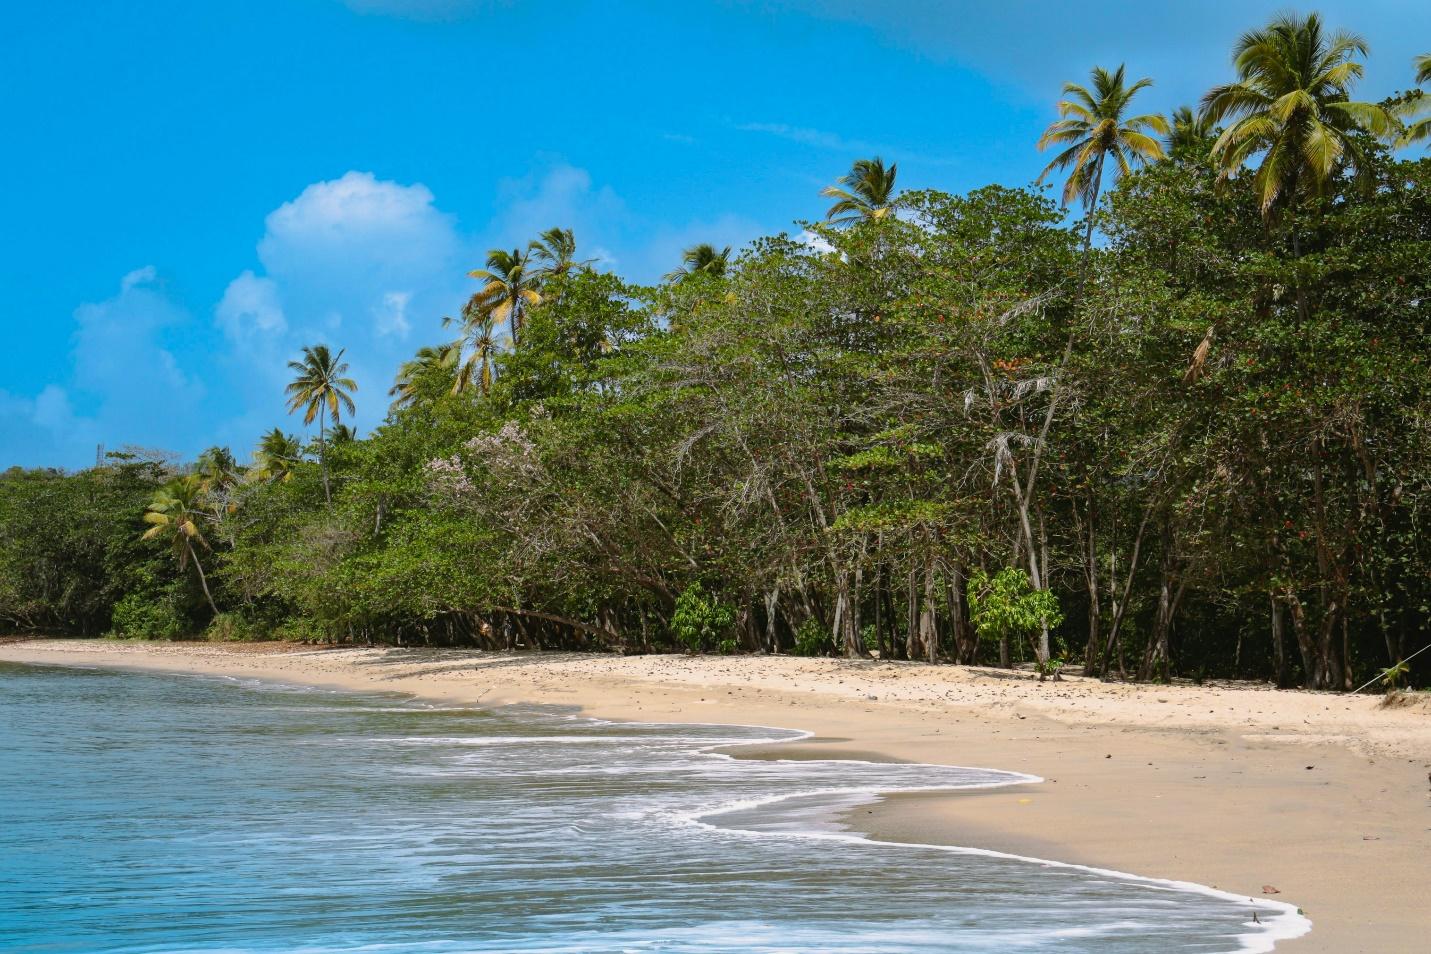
(274, 458)
(173, 516)
(321, 390)
(555, 250)
(509, 289)
(865, 192)
(219, 475)
(1190, 133)
(1092, 126)
(430, 362)
(480, 342)
(1291, 108)
(217, 469)
(702, 259)
(1419, 130)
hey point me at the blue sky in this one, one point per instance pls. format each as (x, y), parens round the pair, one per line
(194, 190)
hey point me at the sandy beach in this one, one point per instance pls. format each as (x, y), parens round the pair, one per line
(1320, 800)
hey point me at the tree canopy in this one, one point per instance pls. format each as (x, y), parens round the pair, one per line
(940, 427)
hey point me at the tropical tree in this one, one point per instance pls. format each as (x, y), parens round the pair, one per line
(702, 259)
(1291, 105)
(430, 362)
(1420, 129)
(173, 516)
(555, 250)
(321, 390)
(509, 289)
(480, 342)
(274, 458)
(219, 476)
(1189, 133)
(1093, 125)
(1005, 606)
(217, 469)
(865, 192)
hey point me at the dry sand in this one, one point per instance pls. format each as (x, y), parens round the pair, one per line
(1324, 798)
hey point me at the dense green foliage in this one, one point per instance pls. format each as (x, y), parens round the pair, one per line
(1203, 441)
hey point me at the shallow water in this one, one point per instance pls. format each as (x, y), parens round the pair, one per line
(143, 812)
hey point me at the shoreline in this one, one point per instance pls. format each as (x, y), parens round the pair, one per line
(1201, 785)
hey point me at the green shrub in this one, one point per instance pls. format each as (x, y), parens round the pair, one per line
(233, 627)
(1007, 606)
(812, 639)
(699, 619)
(147, 616)
(300, 629)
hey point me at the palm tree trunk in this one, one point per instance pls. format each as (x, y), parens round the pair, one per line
(203, 580)
(323, 459)
(1088, 227)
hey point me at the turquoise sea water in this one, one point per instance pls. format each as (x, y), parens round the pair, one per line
(145, 813)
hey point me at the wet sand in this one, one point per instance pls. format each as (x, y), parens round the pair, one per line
(1324, 798)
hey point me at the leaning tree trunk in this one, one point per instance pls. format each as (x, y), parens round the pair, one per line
(203, 580)
(1312, 670)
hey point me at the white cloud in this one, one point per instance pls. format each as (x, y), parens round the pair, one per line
(119, 346)
(560, 196)
(124, 383)
(814, 242)
(51, 409)
(251, 306)
(607, 228)
(809, 137)
(358, 227)
(140, 276)
(392, 316)
(356, 262)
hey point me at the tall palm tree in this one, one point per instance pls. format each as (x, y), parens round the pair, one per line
(173, 516)
(509, 289)
(1292, 106)
(217, 469)
(322, 390)
(274, 458)
(702, 259)
(1092, 126)
(480, 342)
(218, 475)
(1421, 129)
(865, 192)
(429, 362)
(555, 250)
(1190, 133)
